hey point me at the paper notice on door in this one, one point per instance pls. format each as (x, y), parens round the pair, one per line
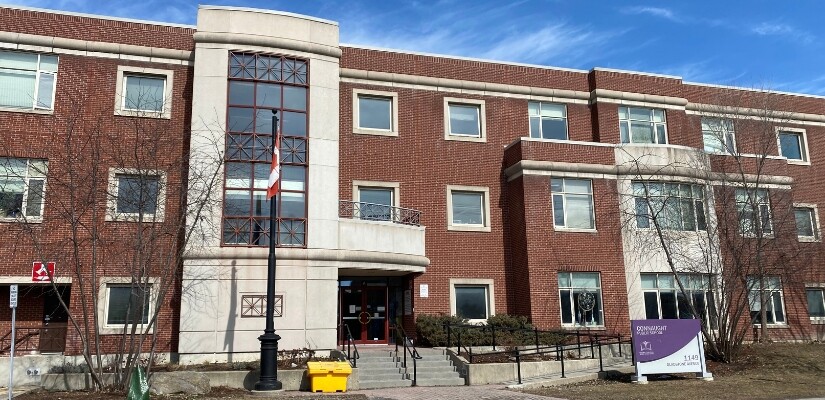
(379, 308)
(352, 308)
(424, 290)
(377, 315)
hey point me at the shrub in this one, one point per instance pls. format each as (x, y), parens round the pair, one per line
(430, 329)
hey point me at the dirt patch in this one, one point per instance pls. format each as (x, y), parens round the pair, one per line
(765, 371)
(216, 393)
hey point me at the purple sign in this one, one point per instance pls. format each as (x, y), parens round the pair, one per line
(654, 339)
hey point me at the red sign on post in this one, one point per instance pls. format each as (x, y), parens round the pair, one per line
(42, 272)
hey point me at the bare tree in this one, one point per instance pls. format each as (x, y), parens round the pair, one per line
(721, 221)
(121, 207)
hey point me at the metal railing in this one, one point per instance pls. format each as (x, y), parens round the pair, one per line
(352, 349)
(561, 342)
(408, 348)
(44, 339)
(378, 212)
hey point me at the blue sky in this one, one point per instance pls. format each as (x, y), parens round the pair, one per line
(762, 44)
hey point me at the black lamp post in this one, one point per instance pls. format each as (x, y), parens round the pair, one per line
(269, 340)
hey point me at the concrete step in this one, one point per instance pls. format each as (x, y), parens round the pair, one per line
(440, 381)
(435, 375)
(380, 375)
(384, 384)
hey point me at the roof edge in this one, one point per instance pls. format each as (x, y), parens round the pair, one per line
(96, 16)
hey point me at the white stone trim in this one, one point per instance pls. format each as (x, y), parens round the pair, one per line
(817, 231)
(59, 45)
(729, 112)
(265, 11)
(103, 303)
(491, 295)
(463, 86)
(120, 95)
(804, 135)
(111, 202)
(395, 186)
(637, 99)
(485, 191)
(356, 112)
(482, 120)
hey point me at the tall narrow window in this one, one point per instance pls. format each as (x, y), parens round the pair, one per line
(807, 226)
(573, 203)
(642, 125)
(27, 80)
(774, 303)
(259, 84)
(816, 303)
(718, 136)
(580, 296)
(754, 210)
(547, 120)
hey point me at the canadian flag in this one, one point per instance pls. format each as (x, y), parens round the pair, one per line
(275, 170)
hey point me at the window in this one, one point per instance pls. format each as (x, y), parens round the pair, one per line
(472, 299)
(376, 203)
(580, 296)
(754, 209)
(128, 304)
(136, 195)
(258, 85)
(376, 112)
(547, 120)
(674, 206)
(468, 208)
(22, 187)
(664, 299)
(642, 125)
(572, 203)
(816, 303)
(807, 223)
(27, 80)
(792, 144)
(464, 119)
(144, 92)
(718, 136)
(774, 305)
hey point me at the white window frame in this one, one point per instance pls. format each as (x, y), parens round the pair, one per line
(540, 117)
(652, 122)
(26, 179)
(113, 215)
(817, 287)
(753, 286)
(103, 303)
(571, 288)
(814, 222)
(485, 192)
(356, 112)
(35, 109)
(395, 187)
(120, 91)
(724, 140)
(758, 221)
(473, 282)
(564, 194)
(803, 137)
(648, 195)
(482, 133)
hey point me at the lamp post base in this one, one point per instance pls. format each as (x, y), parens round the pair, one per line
(268, 380)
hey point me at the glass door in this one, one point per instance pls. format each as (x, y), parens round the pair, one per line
(351, 305)
(364, 312)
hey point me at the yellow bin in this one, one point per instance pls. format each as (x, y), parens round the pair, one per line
(328, 377)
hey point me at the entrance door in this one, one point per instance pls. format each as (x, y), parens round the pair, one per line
(364, 312)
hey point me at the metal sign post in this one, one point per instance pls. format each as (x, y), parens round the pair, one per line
(13, 306)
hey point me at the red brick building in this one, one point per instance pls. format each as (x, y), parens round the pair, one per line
(412, 184)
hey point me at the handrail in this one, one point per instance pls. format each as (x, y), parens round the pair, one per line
(352, 356)
(558, 349)
(378, 212)
(413, 353)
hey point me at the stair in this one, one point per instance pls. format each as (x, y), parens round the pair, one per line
(382, 369)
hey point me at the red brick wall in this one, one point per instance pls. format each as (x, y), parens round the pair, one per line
(95, 29)
(84, 107)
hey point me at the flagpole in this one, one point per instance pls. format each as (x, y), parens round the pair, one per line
(269, 340)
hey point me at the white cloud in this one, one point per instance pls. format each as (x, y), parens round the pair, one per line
(654, 11)
(780, 29)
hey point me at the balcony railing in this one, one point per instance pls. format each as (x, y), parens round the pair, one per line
(378, 212)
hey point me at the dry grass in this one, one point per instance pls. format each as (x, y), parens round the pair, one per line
(767, 371)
